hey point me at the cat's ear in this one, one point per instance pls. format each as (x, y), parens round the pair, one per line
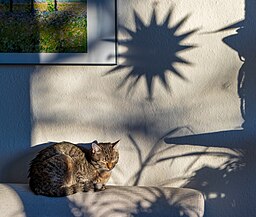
(115, 145)
(95, 147)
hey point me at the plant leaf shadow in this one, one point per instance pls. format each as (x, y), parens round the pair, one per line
(231, 186)
(224, 186)
(153, 156)
(136, 201)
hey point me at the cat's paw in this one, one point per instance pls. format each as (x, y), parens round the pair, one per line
(99, 187)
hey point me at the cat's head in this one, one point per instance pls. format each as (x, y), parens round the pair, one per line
(104, 155)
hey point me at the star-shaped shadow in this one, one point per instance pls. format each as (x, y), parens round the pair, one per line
(151, 52)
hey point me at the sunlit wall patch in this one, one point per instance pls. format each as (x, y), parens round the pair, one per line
(151, 52)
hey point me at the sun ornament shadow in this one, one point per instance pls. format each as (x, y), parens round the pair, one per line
(151, 52)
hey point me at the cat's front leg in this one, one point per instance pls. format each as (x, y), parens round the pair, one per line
(103, 177)
(87, 186)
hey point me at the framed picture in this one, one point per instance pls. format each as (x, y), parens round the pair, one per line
(58, 32)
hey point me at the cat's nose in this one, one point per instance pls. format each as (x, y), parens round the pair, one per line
(110, 165)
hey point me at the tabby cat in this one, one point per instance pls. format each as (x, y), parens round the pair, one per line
(65, 168)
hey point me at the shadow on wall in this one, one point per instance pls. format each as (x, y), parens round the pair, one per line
(153, 158)
(15, 115)
(151, 52)
(230, 189)
(15, 122)
(16, 118)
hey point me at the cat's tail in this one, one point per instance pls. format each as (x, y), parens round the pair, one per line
(63, 191)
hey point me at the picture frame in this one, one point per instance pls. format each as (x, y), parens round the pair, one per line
(101, 41)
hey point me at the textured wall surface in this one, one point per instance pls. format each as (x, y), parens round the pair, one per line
(182, 101)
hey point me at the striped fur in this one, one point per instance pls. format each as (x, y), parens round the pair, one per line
(65, 168)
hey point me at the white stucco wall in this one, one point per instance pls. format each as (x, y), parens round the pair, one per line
(84, 103)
